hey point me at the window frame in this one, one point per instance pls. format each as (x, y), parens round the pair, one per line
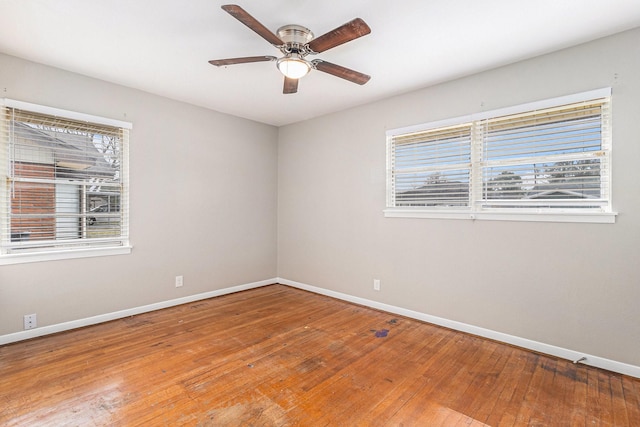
(474, 209)
(121, 245)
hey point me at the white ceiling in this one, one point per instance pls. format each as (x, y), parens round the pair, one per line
(162, 46)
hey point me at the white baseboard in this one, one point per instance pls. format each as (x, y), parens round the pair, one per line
(587, 359)
(61, 327)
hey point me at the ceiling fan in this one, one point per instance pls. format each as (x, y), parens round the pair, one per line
(296, 42)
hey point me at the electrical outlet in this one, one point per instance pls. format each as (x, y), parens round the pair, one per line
(376, 284)
(179, 281)
(30, 321)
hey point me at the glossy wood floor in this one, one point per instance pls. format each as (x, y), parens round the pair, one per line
(277, 356)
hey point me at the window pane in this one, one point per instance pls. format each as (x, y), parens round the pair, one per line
(564, 137)
(431, 168)
(445, 188)
(543, 156)
(531, 184)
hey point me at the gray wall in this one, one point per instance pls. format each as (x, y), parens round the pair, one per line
(203, 204)
(576, 286)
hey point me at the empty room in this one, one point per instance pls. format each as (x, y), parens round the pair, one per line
(297, 213)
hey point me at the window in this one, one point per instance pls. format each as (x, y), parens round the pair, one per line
(545, 161)
(64, 191)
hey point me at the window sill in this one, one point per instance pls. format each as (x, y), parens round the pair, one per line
(62, 254)
(531, 216)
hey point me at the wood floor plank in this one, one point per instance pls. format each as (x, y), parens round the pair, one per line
(278, 356)
(631, 397)
(619, 406)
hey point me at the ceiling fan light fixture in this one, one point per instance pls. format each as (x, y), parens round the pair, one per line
(293, 66)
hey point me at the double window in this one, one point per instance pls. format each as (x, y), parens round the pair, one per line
(64, 189)
(545, 161)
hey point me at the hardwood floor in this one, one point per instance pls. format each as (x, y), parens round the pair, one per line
(278, 356)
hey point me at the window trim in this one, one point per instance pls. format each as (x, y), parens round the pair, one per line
(470, 212)
(55, 255)
(71, 253)
(67, 114)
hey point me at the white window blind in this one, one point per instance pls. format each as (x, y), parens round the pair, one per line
(551, 157)
(432, 168)
(66, 181)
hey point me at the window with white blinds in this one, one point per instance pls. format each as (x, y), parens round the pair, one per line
(548, 161)
(65, 185)
(432, 167)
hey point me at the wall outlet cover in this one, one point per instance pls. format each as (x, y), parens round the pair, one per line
(30, 321)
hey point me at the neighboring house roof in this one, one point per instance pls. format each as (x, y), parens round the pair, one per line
(583, 188)
(455, 193)
(70, 150)
(451, 193)
(559, 194)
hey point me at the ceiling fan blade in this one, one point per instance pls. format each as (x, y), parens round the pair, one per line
(344, 33)
(339, 71)
(290, 85)
(243, 16)
(243, 60)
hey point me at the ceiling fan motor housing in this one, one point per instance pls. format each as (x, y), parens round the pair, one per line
(295, 34)
(295, 38)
